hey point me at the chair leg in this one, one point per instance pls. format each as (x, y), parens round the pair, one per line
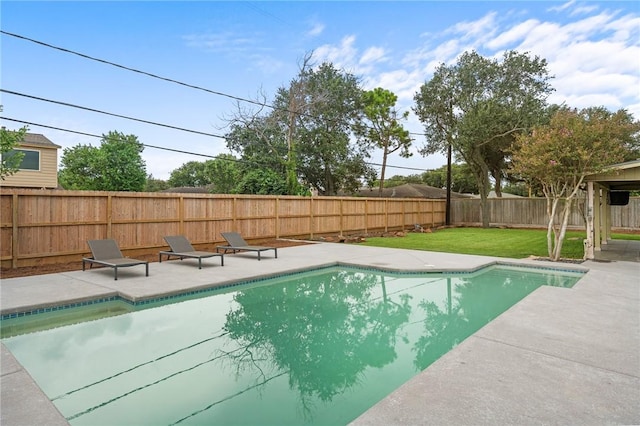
(115, 273)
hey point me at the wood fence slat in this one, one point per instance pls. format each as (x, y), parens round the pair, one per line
(52, 226)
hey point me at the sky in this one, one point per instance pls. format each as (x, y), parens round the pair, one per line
(190, 65)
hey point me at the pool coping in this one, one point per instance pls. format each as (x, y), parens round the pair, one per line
(46, 307)
(600, 352)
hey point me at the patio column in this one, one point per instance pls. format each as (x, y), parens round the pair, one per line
(597, 218)
(606, 219)
(588, 242)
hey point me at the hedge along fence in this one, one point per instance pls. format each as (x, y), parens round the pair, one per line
(53, 226)
(532, 212)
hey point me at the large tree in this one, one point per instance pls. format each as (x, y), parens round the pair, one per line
(328, 159)
(381, 126)
(220, 175)
(559, 155)
(477, 107)
(462, 180)
(117, 165)
(10, 159)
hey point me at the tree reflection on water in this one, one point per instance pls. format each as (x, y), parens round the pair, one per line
(323, 331)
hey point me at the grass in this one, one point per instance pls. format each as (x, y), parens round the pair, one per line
(512, 243)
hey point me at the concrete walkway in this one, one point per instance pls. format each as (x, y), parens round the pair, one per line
(560, 356)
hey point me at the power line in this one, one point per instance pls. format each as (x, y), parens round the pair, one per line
(30, 123)
(85, 56)
(170, 80)
(148, 74)
(111, 114)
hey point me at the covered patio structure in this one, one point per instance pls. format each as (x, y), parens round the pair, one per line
(605, 189)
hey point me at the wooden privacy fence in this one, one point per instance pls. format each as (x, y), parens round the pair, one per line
(53, 226)
(532, 212)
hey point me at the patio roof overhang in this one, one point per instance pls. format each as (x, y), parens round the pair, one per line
(617, 177)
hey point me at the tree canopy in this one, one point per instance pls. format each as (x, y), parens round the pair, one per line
(10, 161)
(559, 155)
(116, 165)
(477, 106)
(381, 128)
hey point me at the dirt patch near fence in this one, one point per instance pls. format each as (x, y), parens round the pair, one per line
(76, 266)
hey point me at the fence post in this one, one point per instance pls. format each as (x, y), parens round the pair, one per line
(341, 216)
(366, 216)
(234, 214)
(181, 214)
(109, 215)
(14, 232)
(277, 217)
(311, 217)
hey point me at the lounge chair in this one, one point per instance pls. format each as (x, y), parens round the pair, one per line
(107, 253)
(181, 247)
(237, 243)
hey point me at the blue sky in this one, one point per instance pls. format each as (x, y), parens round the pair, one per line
(245, 48)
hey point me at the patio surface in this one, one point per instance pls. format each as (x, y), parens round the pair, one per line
(559, 356)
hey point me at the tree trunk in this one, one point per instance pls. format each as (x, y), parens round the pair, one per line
(384, 165)
(483, 187)
(498, 179)
(563, 228)
(552, 205)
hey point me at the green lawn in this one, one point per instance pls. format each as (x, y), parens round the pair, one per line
(513, 243)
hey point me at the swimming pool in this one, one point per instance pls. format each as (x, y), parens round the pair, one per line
(319, 347)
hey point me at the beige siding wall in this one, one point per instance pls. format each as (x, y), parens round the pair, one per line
(46, 177)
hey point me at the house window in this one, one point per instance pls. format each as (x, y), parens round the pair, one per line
(30, 161)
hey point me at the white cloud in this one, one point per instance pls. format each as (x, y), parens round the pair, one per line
(513, 35)
(562, 6)
(373, 54)
(583, 9)
(342, 56)
(478, 29)
(316, 30)
(594, 58)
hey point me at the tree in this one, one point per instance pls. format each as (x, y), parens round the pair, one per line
(380, 126)
(155, 185)
(191, 174)
(398, 180)
(261, 141)
(478, 106)
(224, 174)
(327, 159)
(462, 179)
(262, 182)
(121, 165)
(11, 159)
(78, 170)
(559, 155)
(117, 165)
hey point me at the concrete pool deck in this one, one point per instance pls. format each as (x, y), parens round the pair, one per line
(559, 356)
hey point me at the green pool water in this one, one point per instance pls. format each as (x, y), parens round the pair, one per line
(317, 348)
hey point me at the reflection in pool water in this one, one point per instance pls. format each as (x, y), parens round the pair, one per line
(319, 347)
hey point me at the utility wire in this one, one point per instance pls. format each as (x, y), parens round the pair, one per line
(170, 80)
(11, 92)
(30, 123)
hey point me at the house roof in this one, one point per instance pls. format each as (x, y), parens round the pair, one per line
(409, 190)
(38, 140)
(619, 177)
